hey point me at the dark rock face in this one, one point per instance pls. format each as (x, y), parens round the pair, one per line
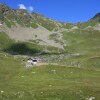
(96, 18)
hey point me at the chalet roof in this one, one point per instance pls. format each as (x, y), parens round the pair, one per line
(33, 59)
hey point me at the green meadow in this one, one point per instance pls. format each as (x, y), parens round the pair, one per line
(46, 82)
(76, 77)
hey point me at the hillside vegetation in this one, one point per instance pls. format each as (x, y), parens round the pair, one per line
(48, 82)
(69, 53)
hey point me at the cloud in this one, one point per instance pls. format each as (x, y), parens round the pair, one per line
(30, 8)
(22, 6)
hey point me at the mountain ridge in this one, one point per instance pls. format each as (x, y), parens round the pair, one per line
(25, 27)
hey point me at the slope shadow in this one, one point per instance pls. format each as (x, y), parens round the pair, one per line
(21, 48)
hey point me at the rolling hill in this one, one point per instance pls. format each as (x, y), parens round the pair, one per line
(71, 52)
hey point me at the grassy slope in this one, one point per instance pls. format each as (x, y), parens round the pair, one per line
(85, 44)
(5, 41)
(78, 79)
(8, 45)
(46, 23)
(69, 82)
(82, 41)
(66, 83)
(31, 47)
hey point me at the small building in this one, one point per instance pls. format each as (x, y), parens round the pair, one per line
(31, 61)
(35, 61)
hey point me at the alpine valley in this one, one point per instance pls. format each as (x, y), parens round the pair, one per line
(68, 55)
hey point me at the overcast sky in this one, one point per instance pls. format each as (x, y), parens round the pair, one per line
(61, 10)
